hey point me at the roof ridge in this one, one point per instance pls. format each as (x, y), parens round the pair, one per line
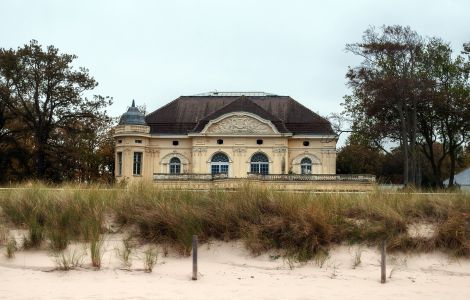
(233, 94)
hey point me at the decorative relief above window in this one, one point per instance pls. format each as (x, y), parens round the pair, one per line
(280, 150)
(240, 124)
(240, 151)
(200, 149)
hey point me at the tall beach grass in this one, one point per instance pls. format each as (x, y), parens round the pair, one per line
(299, 225)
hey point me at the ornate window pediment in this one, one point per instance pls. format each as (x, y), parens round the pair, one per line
(240, 124)
(167, 158)
(313, 159)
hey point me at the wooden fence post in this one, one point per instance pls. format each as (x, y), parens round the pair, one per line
(383, 262)
(194, 257)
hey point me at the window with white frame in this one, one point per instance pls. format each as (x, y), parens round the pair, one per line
(259, 164)
(175, 165)
(119, 163)
(219, 163)
(137, 168)
(306, 166)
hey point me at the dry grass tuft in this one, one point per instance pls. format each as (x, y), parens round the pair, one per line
(454, 234)
(67, 260)
(10, 248)
(150, 259)
(125, 254)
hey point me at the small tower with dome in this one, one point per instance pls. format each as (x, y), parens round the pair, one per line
(132, 139)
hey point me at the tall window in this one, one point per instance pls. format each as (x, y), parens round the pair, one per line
(175, 165)
(219, 163)
(306, 165)
(119, 163)
(137, 170)
(259, 164)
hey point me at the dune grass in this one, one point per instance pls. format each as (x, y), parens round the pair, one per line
(56, 216)
(303, 226)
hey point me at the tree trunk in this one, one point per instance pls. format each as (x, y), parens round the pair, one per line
(40, 162)
(41, 144)
(404, 139)
(452, 166)
(414, 153)
(437, 176)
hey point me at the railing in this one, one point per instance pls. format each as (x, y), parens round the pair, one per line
(269, 177)
(131, 128)
(313, 177)
(188, 176)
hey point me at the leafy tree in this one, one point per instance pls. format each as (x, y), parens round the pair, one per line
(90, 152)
(385, 95)
(42, 90)
(409, 90)
(13, 156)
(359, 158)
(447, 115)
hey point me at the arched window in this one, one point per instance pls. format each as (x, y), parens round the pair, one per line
(259, 164)
(306, 165)
(175, 165)
(219, 163)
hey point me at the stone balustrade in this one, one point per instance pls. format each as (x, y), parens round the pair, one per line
(270, 177)
(131, 128)
(313, 177)
(188, 176)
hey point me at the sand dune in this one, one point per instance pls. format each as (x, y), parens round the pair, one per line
(228, 271)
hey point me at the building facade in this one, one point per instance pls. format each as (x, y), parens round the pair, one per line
(233, 134)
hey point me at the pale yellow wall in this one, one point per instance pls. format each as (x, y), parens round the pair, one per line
(239, 150)
(166, 150)
(324, 149)
(125, 138)
(127, 147)
(195, 152)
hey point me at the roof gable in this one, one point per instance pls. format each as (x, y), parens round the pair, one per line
(242, 104)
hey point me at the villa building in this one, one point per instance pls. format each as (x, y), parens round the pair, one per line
(224, 134)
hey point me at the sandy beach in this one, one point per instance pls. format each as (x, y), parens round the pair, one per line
(229, 271)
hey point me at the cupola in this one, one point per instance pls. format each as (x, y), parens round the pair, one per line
(133, 116)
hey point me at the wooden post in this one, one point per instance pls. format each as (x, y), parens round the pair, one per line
(194, 257)
(383, 262)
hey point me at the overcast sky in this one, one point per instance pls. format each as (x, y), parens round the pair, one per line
(155, 51)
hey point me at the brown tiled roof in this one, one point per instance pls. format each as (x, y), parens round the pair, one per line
(190, 113)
